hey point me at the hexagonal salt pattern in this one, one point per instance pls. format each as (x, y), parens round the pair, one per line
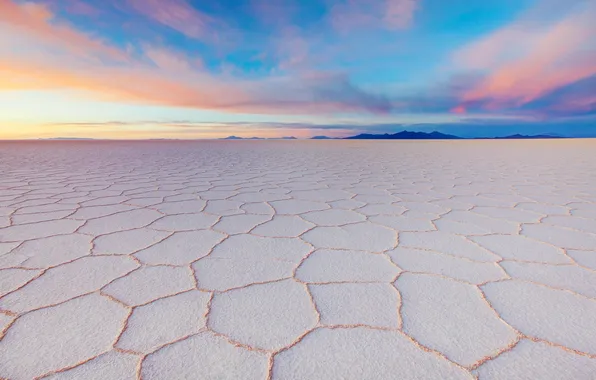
(265, 316)
(74, 332)
(337, 260)
(362, 353)
(207, 356)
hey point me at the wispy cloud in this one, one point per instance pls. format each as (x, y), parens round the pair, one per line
(356, 14)
(529, 59)
(400, 13)
(55, 55)
(274, 13)
(75, 7)
(35, 23)
(178, 15)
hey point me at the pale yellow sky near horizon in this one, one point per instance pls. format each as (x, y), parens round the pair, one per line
(51, 114)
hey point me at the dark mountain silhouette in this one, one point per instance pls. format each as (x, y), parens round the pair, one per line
(242, 138)
(522, 137)
(408, 135)
(321, 138)
(405, 135)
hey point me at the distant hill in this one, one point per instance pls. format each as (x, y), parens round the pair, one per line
(405, 135)
(321, 138)
(242, 138)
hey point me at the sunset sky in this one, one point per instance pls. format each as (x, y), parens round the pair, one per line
(204, 69)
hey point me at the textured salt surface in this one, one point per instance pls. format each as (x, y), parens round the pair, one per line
(298, 260)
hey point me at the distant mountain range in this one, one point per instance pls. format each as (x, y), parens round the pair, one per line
(241, 138)
(409, 135)
(523, 137)
(405, 135)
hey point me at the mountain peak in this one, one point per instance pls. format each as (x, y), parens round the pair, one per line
(405, 135)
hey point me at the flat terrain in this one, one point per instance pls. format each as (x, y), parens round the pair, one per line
(298, 260)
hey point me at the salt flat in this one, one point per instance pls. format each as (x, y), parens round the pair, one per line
(298, 260)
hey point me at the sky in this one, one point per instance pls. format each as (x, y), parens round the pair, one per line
(187, 69)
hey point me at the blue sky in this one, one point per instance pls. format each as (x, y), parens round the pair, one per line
(196, 69)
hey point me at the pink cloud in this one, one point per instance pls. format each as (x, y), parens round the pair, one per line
(75, 7)
(81, 8)
(78, 7)
(36, 21)
(178, 15)
(292, 49)
(38, 52)
(350, 15)
(575, 104)
(526, 61)
(389, 14)
(458, 110)
(274, 12)
(170, 60)
(399, 14)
